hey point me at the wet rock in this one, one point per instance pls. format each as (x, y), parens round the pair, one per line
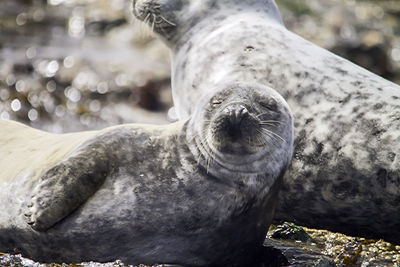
(290, 231)
(17, 261)
(297, 256)
(149, 95)
(8, 260)
(353, 251)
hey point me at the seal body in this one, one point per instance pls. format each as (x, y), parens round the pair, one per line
(189, 193)
(345, 175)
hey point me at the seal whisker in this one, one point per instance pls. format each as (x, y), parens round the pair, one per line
(203, 133)
(153, 23)
(158, 20)
(208, 164)
(146, 19)
(167, 21)
(210, 157)
(192, 138)
(198, 159)
(273, 139)
(274, 134)
(259, 142)
(265, 142)
(273, 142)
(267, 123)
(196, 134)
(271, 121)
(259, 115)
(143, 28)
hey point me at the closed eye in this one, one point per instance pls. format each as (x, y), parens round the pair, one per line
(216, 102)
(270, 105)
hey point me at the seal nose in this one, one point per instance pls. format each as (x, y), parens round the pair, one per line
(236, 114)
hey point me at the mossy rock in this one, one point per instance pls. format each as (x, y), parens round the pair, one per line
(290, 231)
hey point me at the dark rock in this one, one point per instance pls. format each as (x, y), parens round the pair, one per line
(271, 257)
(374, 58)
(297, 257)
(149, 95)
(290, 231)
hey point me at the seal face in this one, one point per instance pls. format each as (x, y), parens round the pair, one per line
(198, 192)
(241, 124)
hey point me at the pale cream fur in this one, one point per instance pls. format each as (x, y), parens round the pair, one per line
(27, 150)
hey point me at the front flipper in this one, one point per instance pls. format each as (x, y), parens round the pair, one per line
(68, 184)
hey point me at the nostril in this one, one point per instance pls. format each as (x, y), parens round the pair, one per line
(242, 112)
(238, 114)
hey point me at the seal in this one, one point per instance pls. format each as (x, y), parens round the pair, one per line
(197, 192)
(345, 175)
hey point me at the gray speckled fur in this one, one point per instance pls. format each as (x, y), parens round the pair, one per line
(60, 192)
(143, 195)
(345, 175)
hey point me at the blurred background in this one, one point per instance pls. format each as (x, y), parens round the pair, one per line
(69, 65)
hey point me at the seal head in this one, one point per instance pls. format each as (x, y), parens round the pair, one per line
(172, 19)
(242, 125)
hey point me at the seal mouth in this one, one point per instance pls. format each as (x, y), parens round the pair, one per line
(153, 14)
